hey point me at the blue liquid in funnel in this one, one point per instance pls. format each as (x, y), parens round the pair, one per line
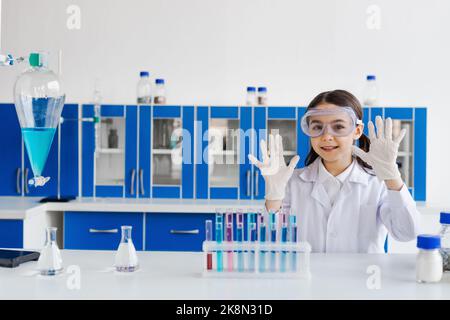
(38, 142)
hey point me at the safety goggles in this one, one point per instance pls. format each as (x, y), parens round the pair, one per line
(338, 122)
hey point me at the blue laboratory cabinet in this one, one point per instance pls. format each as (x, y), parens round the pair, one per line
(223, 140)
(181, 151)
(101, 230)
(152, 157)
(62, 166)
(11, 152)
(169, 144)
(11, 234)
(109, 153)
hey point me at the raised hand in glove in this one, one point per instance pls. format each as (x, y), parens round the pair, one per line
(273, 168)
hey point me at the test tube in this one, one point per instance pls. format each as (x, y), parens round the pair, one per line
(262, 239)
(208, 232)
(252, 235)
(293, 238)
(240, 238)
(229, 237)
(273, 238)
(219, 238)
(284, 234)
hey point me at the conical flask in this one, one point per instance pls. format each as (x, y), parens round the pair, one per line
(50, 261)
(126, 259)
(39, 101)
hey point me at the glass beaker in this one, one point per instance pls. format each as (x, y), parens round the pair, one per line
(50, 261)
(126, 259)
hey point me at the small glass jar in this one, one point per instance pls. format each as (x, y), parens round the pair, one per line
(445, 239)
(429, 259)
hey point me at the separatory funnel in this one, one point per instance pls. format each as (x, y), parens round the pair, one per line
(39, 101)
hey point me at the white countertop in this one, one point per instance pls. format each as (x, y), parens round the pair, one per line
(177, 275)
(23, 207)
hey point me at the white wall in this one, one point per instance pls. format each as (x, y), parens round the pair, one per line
(210, 50)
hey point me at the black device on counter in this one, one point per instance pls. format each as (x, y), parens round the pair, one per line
(56, 199)
(13, 258)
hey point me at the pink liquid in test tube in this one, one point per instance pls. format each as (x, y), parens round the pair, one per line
(229, 237)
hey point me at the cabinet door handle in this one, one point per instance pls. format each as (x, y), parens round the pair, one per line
(18, 180)
(133, 176)
(195, 231)
(25, 182)
(256, 182)
(103, 231)
(141, 181)
(249, 175)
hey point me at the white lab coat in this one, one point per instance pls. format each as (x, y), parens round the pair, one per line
(364, 211)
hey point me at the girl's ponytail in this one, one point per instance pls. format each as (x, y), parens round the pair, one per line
(364, 144)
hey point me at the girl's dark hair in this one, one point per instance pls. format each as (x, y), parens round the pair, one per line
(340, 98)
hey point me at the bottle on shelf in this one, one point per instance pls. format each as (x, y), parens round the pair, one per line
(160, 92)
(251, 96)
(144, 89)
(371, 92)
(113, 139)
(262, 96)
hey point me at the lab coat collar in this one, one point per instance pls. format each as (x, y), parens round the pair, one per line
(357, 175)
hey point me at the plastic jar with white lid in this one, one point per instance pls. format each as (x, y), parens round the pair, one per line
(429, 259)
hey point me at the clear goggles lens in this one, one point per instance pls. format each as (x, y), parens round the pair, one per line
(337, 122)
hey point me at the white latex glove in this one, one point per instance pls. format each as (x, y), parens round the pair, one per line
(383, 150)
(273, 168)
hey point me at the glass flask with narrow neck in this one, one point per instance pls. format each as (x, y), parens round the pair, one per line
(126, 259)
(50, 261)
(39, 100)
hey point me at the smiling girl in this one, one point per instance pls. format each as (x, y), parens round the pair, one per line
(347, 198)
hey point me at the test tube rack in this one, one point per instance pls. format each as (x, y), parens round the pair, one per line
(257, 260)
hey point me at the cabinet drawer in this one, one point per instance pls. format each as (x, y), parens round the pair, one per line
(176, 231)
(100, 231)
(11, 233)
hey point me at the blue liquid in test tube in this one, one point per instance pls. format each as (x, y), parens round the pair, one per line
(273, 239)
(284, 235)
(219, 238)
(262, 239)
(240, 239)
(293, 236)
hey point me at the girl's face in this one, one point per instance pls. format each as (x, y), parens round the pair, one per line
(331, 148)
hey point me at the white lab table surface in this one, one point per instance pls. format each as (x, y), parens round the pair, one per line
(23, 207)
(177, 275)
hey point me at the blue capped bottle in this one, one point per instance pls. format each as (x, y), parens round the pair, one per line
(144, 88)
(371, 92)
(262, 96)
(160, 92)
